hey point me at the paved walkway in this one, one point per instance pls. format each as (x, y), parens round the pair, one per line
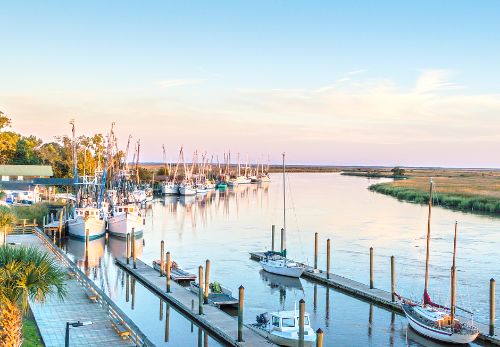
(51, 316)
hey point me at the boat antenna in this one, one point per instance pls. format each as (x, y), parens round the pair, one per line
(453, 276)
(428, 242)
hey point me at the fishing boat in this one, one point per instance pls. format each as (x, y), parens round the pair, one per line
(222, 185)
(276, 262)
(436, 321)
(176, 273)
(187, 189)
(123, 219)
(87, 219)
(218, 295)
(169, 188)
(282, 328)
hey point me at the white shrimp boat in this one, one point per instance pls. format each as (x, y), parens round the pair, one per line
(87, 218)
(201, 189)
(282, 328)
(187, 189)
(433, 320)
(264, 178)
(243, 180)
(139, 196)
(124, 219)
(170, 188)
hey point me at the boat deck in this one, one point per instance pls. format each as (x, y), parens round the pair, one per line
(214, 320)
(375, 295)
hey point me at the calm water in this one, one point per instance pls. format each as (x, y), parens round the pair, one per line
(226, 227)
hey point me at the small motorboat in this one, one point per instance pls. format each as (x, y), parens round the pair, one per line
(218, 295)
(275, 263)
(282, 328)
(176, 273)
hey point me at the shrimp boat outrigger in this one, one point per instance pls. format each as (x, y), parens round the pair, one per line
(433, 320)
(276, 262)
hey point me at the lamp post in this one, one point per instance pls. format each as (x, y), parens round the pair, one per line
(74, 325)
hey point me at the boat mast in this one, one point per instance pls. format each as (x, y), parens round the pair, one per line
(164, 163)
(453, 277)
(284, 208)
(428, 239)
(75, 170)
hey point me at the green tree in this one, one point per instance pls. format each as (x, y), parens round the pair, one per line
(26, 273)
(4, 121)
(398, 172)
(7, 217)
(27, 151)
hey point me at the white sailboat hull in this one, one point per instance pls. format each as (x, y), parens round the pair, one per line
(282, 270)
(439, 334)
(170, 190)
(78, 226)
(122, 224)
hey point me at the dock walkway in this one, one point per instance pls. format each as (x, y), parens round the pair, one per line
(374, 295)
(217, 322)
(52, 315)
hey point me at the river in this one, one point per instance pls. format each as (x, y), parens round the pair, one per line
(226, 227)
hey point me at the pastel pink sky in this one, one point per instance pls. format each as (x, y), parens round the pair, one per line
(349, 122)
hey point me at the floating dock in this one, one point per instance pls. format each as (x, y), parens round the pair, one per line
(215, 321)
(373, 295)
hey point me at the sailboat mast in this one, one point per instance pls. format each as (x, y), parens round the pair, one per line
(284, 196)
(453, 276)
(428, 239)
(75, 170)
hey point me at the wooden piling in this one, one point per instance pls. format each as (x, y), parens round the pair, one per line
(87, 239)
(162, 258)
(302, 311)
(207, 281)
(127, 249)
(167, 322)
(282, 240)
(132, 285)
(492, 306)
(134, 255)
(241, 302)
(168, 266)
(200, 290)
(315, 251)
(319, 338)
(371, 268)
(161, 309)
(328, 258)
(272, 237)
(393, 279)
(127, 287)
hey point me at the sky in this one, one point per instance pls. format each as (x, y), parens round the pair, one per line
(328, 82)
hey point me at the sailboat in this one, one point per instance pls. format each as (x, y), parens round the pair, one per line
(276, 262)
(433, 320)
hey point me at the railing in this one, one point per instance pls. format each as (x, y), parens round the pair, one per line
(114, 311)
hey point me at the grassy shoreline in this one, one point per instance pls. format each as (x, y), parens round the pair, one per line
(470, 194)
(31, 335)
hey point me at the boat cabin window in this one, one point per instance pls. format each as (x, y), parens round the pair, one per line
(120, 210)
(288, 322)
(306, 320)
(276, 321)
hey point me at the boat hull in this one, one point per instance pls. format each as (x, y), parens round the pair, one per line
(294, 272)
(437, 334)
(283, 340)
(78, 226)
(187, 191)
(122, 224)
(170, 190)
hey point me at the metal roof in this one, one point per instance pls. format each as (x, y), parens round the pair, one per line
(26, 170)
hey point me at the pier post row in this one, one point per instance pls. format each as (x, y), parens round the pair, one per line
(371, 269)
(272, 237)
(207, 281)
(492, 306)
(315, 251)
(162, 258)
(168, 267)
(393, 279)
(200, 290)
(328, 258)
(127, 249)
(241, 302)
(302, 310)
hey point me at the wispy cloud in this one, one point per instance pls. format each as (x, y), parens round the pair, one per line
(356, 72)
(435, 80)
(178, 82)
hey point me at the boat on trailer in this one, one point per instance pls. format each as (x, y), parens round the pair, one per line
(176, 273)
(282, 328)
(436, 321)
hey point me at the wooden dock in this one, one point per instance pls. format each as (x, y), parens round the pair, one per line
(359, 290)
(215, 321)
(84, 302)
